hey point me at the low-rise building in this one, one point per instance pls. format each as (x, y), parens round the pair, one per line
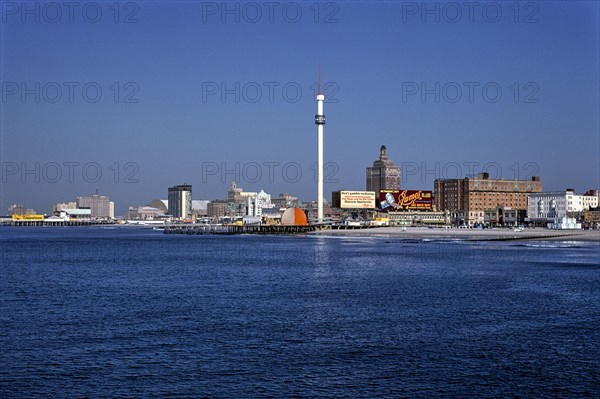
(564, 223)
(199, 208)
(417, 218)
(144, 213)
(64, 205)
(75, 214)
(285, 200)
(163, 205)
(591, 218)
(329, 213)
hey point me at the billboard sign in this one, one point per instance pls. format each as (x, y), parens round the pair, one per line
(28, 217)
(357, 199)
(390, 200)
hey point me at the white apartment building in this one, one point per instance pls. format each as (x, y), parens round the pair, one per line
(553, 207)
(258, 202)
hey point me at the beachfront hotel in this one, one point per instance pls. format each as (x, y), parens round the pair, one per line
(474, 200)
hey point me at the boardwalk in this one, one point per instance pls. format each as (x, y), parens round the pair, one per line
(254, 229)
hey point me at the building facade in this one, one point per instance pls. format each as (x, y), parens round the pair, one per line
(163, 205)
(285, 200)
(216, 209)
(383, 175)
(180, 201)
(237, 195)
(64, 205)
(546, 207)
(18, 209)
(199, 208)
(100, 205)
(258, 203)
(144, 213)
(417, 218)
(469, 199)
(329, 212)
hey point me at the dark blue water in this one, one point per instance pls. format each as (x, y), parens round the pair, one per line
(91, 312)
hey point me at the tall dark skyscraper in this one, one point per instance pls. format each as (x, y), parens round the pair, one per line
(180, 201)
(383, 175)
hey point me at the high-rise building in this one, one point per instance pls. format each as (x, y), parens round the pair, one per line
(383, 175)
(180, 201)
(479, 199)
(98, 204)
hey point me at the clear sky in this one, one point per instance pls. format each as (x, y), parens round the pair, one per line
(134, 98)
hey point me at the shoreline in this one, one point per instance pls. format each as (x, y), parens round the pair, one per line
(537, 234)
(416, 233)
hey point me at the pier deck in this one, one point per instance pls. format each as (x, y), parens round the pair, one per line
(264, 229)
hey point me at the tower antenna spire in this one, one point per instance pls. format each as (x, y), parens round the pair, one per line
(320, 88)
(320, 121)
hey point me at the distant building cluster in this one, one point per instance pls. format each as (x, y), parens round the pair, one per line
(18, 209)
(94, 208)
(180, 207)
(469, 201)
(472, 201)
(90, 207)
(254, 206)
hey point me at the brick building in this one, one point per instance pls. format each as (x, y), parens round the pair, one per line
(483, 200)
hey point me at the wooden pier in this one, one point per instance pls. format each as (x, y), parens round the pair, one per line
(56, 223)
(235, 229)
(271, 229)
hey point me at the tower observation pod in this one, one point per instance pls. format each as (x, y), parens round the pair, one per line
(320, 121)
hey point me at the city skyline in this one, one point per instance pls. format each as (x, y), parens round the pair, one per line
(194, 115)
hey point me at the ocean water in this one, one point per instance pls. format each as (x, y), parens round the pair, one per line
(130, 312)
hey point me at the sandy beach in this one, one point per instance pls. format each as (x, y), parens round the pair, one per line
(469, 234)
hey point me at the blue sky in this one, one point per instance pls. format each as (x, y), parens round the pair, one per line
(205, 92)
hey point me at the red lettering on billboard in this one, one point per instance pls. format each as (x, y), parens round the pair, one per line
(406, 200)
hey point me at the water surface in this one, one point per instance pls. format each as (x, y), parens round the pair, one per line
(128, 312)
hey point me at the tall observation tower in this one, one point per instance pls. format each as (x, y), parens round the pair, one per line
(320, 121)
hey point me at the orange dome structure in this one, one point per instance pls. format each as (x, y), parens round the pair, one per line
(294, 217)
